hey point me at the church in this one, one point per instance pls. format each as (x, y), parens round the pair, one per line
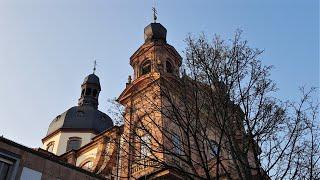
(87, 144)
(86, 137)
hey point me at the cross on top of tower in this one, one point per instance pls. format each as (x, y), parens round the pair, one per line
(94, 66)
(154, 12)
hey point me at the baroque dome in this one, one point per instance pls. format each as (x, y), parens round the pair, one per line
(80, 118)
(85, 116)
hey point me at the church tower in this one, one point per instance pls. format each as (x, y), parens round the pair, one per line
(155, 55)
(154, 60)
(78, 125)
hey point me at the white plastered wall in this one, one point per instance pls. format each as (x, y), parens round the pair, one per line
(61, 140)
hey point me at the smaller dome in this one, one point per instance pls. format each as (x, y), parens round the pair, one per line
(91, 79)
(81, 118)
(155, 31)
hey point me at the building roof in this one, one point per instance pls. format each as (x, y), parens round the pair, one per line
(46, 155)
(155, 31)
(91, 79)
(81, 118)
(85, 116)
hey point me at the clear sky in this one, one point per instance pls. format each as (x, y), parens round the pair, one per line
(47, 47)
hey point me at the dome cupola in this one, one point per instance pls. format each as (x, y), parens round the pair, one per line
(155, 32)
(86, 115)
(80, 123)
(91, 79)
(90, 91)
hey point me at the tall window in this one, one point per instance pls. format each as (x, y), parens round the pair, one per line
(5, 166)
(177, 146)
(169, 67)
(8, 166)
(94, 93)
(145, 145)
(88, 91)
(50, 146)
(73, 143)
(146, 67)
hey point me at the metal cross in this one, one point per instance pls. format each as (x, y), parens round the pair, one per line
(94, 66)
(154, 11)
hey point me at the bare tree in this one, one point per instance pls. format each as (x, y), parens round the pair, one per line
(220, 118)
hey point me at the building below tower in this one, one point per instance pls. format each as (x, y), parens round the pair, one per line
(83, 142)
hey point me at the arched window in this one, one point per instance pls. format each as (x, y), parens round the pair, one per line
(88, 91)
(73, 143)
(50, 146)
(87, 165)
(169, 67)
(146, 67)
(94, 93)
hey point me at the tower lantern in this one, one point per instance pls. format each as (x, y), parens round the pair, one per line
(90, 91)
(155, 55)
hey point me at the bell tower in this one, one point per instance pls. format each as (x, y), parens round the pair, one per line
(155, 55)
(154, 60)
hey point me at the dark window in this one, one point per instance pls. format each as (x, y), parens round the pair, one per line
(169, 67)
(94, 93)
(82, 92)
(50, 146)
(88, 91)
(6, 168)
(146, 67)
(177, 145)
(73, 143)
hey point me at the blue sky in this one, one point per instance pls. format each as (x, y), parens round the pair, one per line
(47, 47)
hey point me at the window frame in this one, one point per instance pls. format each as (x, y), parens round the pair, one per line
(14, 160)
(79, 139)
(50, 144)
(88, 92)
(171, 66)
(145, 64)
